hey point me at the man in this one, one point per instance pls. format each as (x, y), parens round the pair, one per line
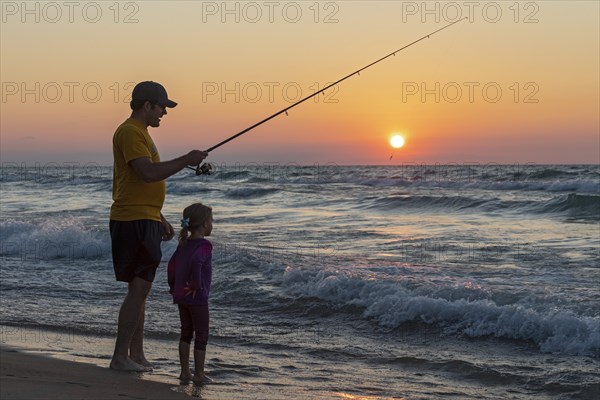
(137, 225)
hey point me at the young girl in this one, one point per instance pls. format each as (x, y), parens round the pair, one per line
(189, 275)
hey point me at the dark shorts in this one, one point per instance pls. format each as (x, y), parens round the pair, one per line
(136, 248)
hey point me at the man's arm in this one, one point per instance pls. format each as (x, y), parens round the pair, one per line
(154, 172)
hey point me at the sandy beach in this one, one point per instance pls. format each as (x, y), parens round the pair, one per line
(28, 376)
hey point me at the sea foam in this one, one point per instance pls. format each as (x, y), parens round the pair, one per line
(390, 305)
(53, 238)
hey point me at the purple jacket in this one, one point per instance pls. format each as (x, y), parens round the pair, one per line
(190, 270)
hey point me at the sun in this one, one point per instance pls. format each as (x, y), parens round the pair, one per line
(397, 141)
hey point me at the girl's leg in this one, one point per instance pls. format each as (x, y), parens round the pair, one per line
(200, 377)
(187, 330)
(200, 316)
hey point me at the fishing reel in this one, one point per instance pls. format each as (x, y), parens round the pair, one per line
(205, 169)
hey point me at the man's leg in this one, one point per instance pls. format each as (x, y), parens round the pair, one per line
(129, 319)
(136, 348)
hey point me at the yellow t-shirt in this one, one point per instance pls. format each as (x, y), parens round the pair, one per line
(134, 199)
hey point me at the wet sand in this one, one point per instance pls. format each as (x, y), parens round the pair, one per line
(29, 376)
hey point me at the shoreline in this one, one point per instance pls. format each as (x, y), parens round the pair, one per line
(28, 376)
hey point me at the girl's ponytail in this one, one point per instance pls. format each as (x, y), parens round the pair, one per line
(194, 216)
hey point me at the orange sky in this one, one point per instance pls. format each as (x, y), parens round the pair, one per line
(544, 64)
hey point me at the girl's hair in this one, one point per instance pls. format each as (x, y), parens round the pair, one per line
(194, 216)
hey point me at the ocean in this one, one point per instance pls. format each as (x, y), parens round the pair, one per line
(464, 281)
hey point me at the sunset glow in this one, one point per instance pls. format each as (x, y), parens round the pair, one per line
(475, 92)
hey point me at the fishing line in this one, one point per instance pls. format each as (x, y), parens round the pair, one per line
(206, 168)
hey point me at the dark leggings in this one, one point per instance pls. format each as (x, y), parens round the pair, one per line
(194, 318)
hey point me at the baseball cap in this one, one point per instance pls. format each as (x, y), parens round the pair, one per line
(154, 92)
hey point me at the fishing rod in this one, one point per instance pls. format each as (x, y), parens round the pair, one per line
(206, 168)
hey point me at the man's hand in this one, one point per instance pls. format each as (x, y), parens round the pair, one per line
(168, 231)
(195, 157)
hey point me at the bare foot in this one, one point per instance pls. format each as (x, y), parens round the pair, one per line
(185, 377)
(201, 380)
(142, 361)
(126, 364)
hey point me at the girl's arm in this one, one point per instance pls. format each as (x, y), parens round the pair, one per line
(201, 257)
